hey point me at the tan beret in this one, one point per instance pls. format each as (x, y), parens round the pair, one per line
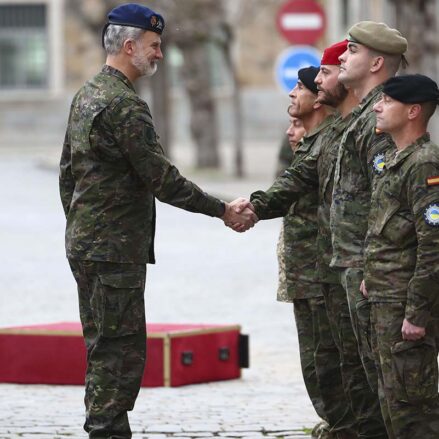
(378, 36)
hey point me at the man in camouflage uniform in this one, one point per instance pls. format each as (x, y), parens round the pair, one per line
(374, 54)
(293, 135)
(318, 351)
(286, 151)
(402, 261)
(112, 167)
(317, 170)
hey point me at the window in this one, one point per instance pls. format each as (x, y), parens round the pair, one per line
(24, 46)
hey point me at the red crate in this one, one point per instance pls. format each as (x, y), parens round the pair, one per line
(178, 354)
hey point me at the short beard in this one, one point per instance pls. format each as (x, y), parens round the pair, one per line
(335, 97)
(145, 67)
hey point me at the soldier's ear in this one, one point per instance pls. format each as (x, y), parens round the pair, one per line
(377, 64)
(128, 46)
(414, 111)
(316, 105)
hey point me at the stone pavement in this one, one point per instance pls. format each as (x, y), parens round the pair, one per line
(205, 274)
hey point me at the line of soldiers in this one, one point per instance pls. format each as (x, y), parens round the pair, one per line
(360, 238)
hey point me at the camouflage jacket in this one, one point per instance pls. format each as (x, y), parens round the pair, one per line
(360, 157)
(285, 156)
(326, 164)
(112, 166)
(299, 206)
(401, 254)
(299, 239)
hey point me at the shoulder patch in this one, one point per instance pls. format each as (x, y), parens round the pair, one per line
(433, 181)
(378, 163)
(431, 214)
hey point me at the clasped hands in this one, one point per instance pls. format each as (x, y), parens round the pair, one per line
(240, 215)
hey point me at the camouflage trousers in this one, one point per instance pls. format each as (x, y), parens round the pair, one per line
(112, 311)
(363, 401)
(320, 361)
(359, 308)
(407, 375)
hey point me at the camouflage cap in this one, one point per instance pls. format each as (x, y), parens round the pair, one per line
(378, 36)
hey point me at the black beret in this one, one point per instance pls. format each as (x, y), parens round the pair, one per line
(132, 14)
(307, 76)
(412, 89)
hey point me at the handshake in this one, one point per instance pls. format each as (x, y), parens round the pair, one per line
(240, 215)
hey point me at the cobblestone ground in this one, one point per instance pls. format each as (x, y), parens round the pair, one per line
(205, 274)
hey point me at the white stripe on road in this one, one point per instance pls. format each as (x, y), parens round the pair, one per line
(301, 21)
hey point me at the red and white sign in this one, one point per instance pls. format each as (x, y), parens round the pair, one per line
(301, 21)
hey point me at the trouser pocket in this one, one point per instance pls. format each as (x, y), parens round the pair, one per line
(118, 303)
(415, 370)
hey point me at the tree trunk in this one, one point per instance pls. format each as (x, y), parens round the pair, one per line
(417, 21)
(203, 123)
(237, 110)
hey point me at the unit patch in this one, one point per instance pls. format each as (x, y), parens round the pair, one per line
(378, 163)
(431, 215)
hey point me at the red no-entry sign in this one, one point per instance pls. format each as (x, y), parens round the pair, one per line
(301, 21)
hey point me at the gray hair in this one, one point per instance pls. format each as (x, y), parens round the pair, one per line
(116, 35)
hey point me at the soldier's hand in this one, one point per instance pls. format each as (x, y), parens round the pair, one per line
(411, 332)
(240, 204)
(239, 222)
(363, 289)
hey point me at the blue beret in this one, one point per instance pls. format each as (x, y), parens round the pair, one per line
(412, 89)
(131, 14)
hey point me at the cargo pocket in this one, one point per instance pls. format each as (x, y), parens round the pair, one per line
(119, 304)
(415, 370)
(385, 215)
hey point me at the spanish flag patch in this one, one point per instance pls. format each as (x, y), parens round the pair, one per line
(433, 181)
